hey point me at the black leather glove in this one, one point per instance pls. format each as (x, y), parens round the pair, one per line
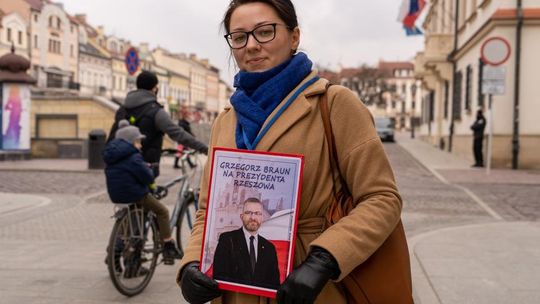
(197, 288)
(204, 150)
(305, 283)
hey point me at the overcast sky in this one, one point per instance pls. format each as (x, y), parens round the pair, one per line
(334, 32)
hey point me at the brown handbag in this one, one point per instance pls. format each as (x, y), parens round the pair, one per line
(385, 277)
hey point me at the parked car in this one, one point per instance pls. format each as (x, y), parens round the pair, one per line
(385, 128)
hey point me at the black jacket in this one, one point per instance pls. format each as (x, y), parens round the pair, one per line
(231, 261)
(153, 122)
(128, 175)
(478, 127)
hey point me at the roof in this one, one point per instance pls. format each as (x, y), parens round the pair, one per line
(91, 50)
(391, 66)
(35, 4)
(388, 68)
(349, 72)
(331, 76)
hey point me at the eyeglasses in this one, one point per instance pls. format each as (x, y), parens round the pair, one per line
(262, 34)
(250, 213)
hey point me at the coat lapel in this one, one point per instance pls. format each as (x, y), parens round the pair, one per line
(295, 112)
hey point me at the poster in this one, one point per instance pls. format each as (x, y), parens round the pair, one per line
(15, 117)
(251, 218)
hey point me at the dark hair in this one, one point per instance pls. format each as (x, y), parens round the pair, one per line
(284, 9)
(146, 80)
(252, 200)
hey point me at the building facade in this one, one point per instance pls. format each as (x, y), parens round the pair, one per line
(117, 48)
(451, 71)
(54, 51)
(403, 99)
(95, 64)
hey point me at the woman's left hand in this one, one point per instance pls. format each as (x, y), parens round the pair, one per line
(305, 283)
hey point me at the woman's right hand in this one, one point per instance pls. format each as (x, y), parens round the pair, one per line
(197, 288)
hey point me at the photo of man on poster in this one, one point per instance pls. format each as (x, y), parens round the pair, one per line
(243, 255)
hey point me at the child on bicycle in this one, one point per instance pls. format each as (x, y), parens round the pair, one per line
(130, 180)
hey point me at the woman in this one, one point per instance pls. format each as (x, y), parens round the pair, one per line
(277, 87)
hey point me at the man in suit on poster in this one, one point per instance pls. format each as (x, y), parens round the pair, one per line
(243, 256)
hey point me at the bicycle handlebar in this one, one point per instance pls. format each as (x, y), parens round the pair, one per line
(174, 151)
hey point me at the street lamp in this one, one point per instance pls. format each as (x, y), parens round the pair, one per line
(413, 108)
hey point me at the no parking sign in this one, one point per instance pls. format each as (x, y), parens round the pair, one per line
(132, 61)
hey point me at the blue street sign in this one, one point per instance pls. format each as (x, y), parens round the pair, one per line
(132, 61)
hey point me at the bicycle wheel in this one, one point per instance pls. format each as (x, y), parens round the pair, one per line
(132, 260)
(184, 225)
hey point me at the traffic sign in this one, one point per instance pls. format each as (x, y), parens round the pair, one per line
(132, 61)
(494, 80)
(495, 51)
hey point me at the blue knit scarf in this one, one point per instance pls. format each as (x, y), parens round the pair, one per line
(258, 94)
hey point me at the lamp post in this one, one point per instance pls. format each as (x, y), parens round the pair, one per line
(413, 121)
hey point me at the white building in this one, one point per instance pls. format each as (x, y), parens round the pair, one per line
(95, 65)
(54, 52)
(451, 70)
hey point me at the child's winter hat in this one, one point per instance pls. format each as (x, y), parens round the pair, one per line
(128, 132)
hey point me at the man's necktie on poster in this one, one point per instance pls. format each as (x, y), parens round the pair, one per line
(252, 253)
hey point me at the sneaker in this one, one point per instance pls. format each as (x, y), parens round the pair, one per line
(171, 253)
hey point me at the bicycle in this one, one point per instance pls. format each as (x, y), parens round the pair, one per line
(134, 243)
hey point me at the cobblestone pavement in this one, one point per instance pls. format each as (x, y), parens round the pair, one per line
(429, 204)
(54, 253)
(513, 196)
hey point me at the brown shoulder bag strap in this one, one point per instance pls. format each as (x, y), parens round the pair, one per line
(329, 134)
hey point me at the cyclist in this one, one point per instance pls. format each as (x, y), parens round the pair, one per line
(129, 179)
(142, 109)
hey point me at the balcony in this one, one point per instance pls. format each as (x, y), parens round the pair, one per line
(438, 47)
(420, 65)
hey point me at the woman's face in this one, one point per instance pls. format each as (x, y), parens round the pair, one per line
(259, 57)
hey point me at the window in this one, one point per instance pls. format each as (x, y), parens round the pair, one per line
(72, 29)
(480, 72)
(54, 46)
(50, 21)
(71, 51)
(20, 38)
(35, 41)
(35, 18)
(446, 97)
(468, 88)
(431, 106)
(9, 34)
(456, 100)
(58, 23)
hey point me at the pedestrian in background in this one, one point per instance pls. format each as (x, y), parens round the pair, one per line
(183, 123)
(275, 108)
(478, 128)
(142, 109)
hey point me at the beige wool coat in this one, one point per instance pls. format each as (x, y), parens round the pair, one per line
(362, 161)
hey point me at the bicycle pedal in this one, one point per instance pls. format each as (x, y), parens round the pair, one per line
(168, 261)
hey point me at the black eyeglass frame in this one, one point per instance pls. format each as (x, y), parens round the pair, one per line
(228, 37)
